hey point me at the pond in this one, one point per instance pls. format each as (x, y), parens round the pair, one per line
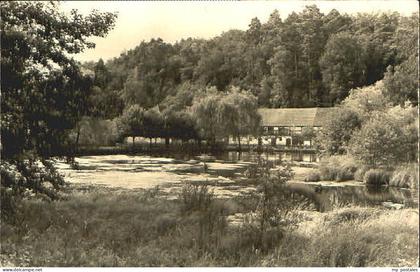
(223, 173)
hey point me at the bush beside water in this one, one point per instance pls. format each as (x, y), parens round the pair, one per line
(359, 175)
(342, 168)
(337, 168)
(313, 176)
(405, 176)
(377, 177)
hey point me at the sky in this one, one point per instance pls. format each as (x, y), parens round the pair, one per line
(172, 21)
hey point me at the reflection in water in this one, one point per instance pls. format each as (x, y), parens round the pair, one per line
(328, 197)
(273, 156)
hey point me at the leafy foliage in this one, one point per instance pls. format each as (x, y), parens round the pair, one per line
(366, 100)
(44, 93)
(219, 115)
(337, 131)
(401, 80)
(380, 142)
(30, 178)
(342, 65)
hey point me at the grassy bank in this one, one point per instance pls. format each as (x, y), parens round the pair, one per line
(344, 168)
(104, 227)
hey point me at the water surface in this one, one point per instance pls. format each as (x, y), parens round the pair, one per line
(223, 173)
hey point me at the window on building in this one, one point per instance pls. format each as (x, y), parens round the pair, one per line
(284, 131)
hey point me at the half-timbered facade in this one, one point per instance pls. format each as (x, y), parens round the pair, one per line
(288, 126)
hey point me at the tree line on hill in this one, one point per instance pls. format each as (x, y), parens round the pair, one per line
(308, 59)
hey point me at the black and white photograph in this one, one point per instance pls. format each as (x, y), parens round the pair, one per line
(139, 134)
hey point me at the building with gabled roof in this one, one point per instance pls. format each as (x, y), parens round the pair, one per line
(286, 126)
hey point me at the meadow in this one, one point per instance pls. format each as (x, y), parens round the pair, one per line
(99, 226)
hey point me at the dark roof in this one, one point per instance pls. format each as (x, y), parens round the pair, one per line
(286, 117)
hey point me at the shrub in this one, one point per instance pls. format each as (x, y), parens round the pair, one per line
(338, 168)
(271, 215)
(248, 239)
(313, 176)
(349, 214)
(360, 173)
(376, 177)
(380, 142)
(405, 176)
(27, 179)
(338, 130)
(367, 241)
(195, 197)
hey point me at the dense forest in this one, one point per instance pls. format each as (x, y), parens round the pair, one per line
(309, 59)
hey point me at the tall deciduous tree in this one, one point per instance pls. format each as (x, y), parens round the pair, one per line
(219, 115)
(401, 80)
(314, 40)
(43, 90)
(155, 73)
(239, 114)
(131, 122)
(206, 113)
(342, 65)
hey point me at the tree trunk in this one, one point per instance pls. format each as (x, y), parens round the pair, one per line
(199, 144)
(150, 143)
(76, 144)
(167, 142)
(239, 143)
(133, 140)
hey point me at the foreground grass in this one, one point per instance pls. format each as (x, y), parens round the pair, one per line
(121, 228)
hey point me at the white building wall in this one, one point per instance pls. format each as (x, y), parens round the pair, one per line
(265, 140)
(253, 140)
(282, 140)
